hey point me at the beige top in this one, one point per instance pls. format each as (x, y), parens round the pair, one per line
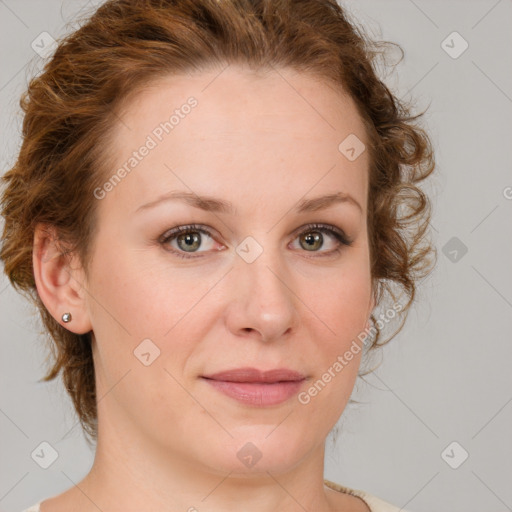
(374, 504)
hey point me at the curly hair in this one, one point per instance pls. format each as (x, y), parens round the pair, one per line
(125, 45)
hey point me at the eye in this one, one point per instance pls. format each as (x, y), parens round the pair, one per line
(312, 238)
(186, 239)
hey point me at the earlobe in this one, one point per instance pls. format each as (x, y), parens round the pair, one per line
(59, 280)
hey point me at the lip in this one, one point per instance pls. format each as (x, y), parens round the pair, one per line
(254, 387)
(255, 375)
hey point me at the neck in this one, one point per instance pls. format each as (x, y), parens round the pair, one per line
(133, 475)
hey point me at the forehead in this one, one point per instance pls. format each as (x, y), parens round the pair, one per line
(237, 93)
(237, 126)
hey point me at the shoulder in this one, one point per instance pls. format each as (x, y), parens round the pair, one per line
(374, 504)
(33, 508)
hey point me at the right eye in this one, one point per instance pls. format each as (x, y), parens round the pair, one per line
(184, 240)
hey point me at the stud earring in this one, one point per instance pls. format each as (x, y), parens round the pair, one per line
(66, 317)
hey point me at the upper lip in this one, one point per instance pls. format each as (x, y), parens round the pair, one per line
(255, 375)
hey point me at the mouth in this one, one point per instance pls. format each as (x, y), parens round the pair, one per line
(254, 375)
(251, 386)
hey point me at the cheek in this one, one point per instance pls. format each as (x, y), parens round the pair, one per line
(339, 314)
(138, 298)
(348, 308)
(341, 300)
(133, 302)
(337, 352)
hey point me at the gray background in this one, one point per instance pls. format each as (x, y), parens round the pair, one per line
(446, 377)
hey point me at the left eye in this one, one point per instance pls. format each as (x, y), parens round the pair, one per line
(185, 240)
(312, 240)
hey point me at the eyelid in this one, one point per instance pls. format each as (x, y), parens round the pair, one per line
(333, 231)
(209, 231)
(185, 228)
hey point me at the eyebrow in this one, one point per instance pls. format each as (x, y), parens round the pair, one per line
(212, 204)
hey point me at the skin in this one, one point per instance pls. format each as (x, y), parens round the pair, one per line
(167, 439)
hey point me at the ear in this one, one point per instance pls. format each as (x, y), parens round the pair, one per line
(59, 280)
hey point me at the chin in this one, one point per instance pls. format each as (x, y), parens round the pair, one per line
(258, 449)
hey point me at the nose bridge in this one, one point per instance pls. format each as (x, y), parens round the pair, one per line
(264, 299)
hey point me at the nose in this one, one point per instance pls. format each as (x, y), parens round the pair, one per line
(262, 302)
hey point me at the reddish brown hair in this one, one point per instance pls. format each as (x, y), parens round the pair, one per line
(71, 107)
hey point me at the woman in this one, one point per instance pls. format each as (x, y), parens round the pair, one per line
(211, 199)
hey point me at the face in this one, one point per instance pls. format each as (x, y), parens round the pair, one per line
(260, 275)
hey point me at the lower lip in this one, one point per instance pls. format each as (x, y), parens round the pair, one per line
(257, 393)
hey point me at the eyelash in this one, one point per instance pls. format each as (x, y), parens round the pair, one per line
(169, 235)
